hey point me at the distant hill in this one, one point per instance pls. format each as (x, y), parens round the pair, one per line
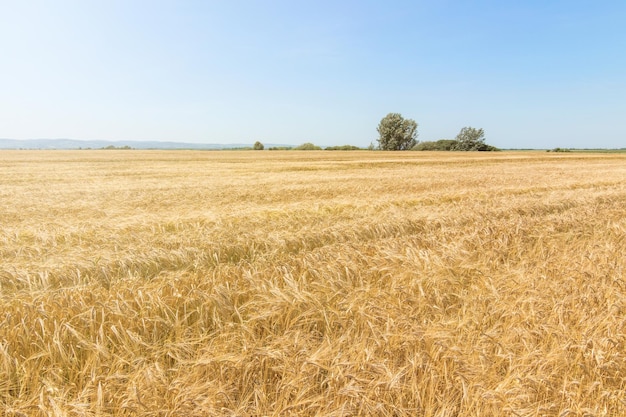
(99, 144)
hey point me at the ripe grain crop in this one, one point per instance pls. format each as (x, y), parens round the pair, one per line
(187, 283)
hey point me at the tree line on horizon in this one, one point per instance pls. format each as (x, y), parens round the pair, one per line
(399, 134)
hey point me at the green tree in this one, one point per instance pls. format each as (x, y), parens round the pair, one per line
(470, 139)
(308, 146)
(440, 145)
(396, 133)
(258, 146)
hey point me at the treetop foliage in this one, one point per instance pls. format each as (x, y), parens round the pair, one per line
(396, 133)
(471, 139)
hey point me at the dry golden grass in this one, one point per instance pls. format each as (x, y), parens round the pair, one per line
(182, 283)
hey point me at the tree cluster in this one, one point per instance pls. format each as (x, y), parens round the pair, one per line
(397, 134)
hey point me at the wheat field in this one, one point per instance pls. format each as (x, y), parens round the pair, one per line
(286, 283)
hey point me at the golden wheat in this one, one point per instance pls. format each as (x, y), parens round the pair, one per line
(153, 283)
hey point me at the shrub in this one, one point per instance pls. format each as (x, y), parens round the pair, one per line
(440, 145)
(343, 148)
(307, 147)
(559, 150)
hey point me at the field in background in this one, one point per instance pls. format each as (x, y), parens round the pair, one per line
(186, 283)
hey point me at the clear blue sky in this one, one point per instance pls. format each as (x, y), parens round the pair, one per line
(532, 73)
